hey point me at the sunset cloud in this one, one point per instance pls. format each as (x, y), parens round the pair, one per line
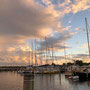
(84, 46)
(22, 21)
(18, 21)
(77, 28)
(80, 5)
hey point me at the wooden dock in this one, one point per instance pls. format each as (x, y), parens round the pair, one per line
(11, 68)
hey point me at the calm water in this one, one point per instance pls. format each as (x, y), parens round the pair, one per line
(15, 81)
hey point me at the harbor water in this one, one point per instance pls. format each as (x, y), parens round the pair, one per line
(15, 81)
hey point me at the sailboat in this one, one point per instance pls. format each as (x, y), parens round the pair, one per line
(50, 69)
(84, 73)
(29, 70)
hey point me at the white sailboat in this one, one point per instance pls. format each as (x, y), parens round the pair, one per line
(29, 69)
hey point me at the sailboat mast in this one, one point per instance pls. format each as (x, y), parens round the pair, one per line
(65, 52)
(41, 52)
(52, 54)
(46, 50)
(35, 53)
(32, 55)
(87, 31)
(49, 57)
(29, 55)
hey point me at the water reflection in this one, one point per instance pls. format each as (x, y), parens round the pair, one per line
(47, 82)
(28, 83)
(15, 81)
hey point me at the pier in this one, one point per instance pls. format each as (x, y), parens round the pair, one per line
(11, 68)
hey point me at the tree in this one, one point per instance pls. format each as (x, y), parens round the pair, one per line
(78, 62)
(69, 64)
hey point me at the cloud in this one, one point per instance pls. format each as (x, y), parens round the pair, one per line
(14, 57)
(11, 49)
(58, 41)
(84, 57)
(74, 6)
(77, 29)
(84, 46)
(80, 5)
(22, 19)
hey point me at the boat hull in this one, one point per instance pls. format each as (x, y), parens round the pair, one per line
(83, 76)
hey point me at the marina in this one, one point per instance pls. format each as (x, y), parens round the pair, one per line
(15, 81)
(45, 45)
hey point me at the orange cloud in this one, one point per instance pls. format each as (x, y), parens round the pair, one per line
(84, 46)
(45, 32)
(77, 28)
(10, 49)
(25, 19)
(74, 7)
(80, 5)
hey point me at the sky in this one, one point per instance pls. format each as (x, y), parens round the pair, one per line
(62, 22)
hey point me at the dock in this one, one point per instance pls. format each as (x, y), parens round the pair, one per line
(11, 68)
